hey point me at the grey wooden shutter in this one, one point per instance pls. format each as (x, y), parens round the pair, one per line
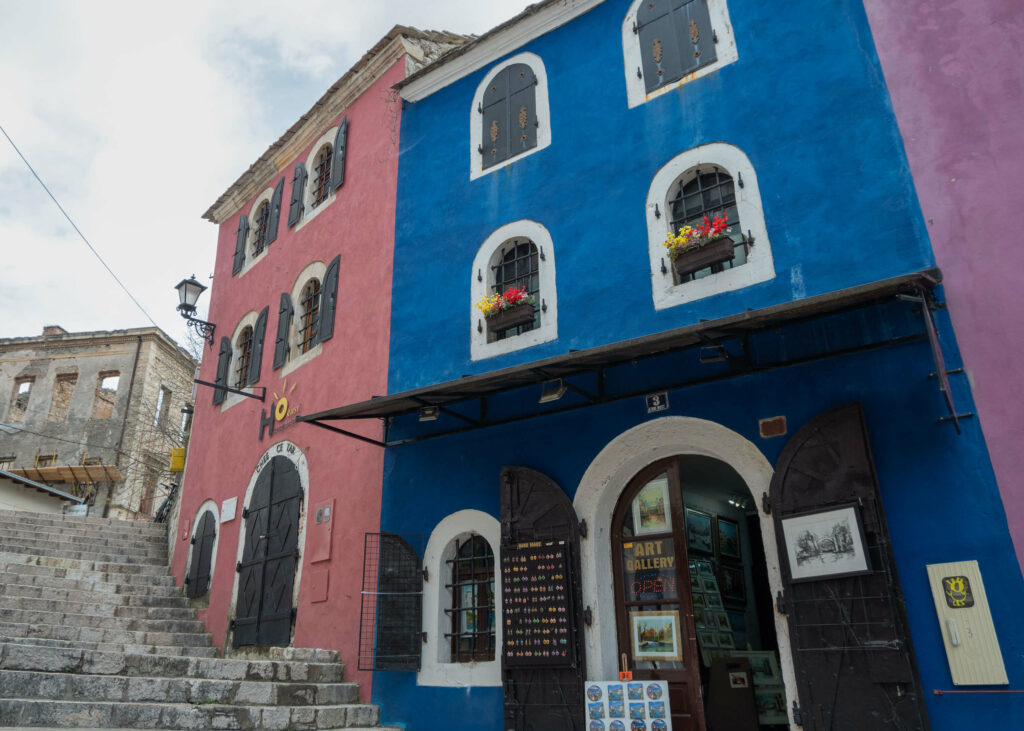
(659, 43)
(223, 364)
(338, 164)
(259, 334)
(494, 138)
(522, 108)
(284, 324)
(275, 214)
(696, 39)
(240, 239)
(328, 301)
(298, 188)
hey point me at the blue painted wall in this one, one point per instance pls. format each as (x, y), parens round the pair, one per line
(805, 102)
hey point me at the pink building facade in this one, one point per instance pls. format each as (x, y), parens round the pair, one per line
(273, 513)
(957, 86)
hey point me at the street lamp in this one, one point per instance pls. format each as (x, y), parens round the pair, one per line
(188, 292)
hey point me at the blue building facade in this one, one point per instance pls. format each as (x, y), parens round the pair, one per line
(700, 417)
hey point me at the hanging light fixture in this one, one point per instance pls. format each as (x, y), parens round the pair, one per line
(188, 294)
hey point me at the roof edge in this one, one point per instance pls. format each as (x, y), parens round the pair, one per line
(40, 486)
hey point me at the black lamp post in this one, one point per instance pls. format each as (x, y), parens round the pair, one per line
(188, 292)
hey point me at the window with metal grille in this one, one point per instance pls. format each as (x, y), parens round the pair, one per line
(472, 611)
(244, 344)
(708, 193)
(310, 315)
(259, 228)
(322, 176)
(517, 267)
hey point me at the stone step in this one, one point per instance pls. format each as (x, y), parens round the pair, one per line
(74, 522)
(96, 634)
(30, 547)
(34, 576)
(106, 540)
(295, 654)
(93, 714)
(95, 608)
(79, 570)
(69, 659)
(70, 618)
(83, 564)
(9, 588)
(121, 648)
(120, 688)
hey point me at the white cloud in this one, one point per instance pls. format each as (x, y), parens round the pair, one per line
(138, 116)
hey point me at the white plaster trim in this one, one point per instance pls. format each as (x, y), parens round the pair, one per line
(599, 490)
(725, 52)
(502, 42)
(230, 399)
(315, 270)
(543, 115)
(437, 669)
(479, 348)
(308, 211)
(760, 266)
(211, 507)
(250, 244)
(298, 458)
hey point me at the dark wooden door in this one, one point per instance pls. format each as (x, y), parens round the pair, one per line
(536, 513)
(854, 663)
(269, 558)
(652, 590)
(197, 583)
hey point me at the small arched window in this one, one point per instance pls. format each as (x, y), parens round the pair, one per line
(259, 228)
(517, 268)
(708, 192)
(204, 540)
(472, 611)
(243, 358)
(321, 183)
(310, 318)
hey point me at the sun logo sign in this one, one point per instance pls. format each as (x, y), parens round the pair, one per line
(282, 409)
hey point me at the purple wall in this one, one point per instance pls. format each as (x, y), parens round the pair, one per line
(954, 72)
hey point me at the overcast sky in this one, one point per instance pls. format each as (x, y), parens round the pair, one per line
(138, 115)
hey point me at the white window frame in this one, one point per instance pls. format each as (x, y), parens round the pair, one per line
(250, 243)
(436, 668)
(482, 282)
(308, 211)
(725, 53)
(535, 63)
(760, 266)
(230, 399)
(315, 270)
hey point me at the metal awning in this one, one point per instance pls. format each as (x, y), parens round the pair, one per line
(20, 480)
(76, 473)
(598, 359)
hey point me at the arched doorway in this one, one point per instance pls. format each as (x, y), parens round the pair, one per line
(200, 568)
(691, 583)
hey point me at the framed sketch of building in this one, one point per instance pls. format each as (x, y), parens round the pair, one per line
(825, 544)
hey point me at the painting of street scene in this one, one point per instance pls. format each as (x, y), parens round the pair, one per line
(825, 544)
(655, 635)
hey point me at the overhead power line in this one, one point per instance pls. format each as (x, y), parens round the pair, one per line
(77, 230)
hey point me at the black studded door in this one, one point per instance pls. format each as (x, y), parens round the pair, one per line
(264, 610)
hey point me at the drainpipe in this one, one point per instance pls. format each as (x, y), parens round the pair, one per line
(124, 421)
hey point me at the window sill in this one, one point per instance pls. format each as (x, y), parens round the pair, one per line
(461, 674)
(298, 361)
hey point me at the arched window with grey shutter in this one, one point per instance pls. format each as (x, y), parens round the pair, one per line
(284, 325)
(240, 240)
(259, 334)
(223, 365)
(508, 115)
(676, 39)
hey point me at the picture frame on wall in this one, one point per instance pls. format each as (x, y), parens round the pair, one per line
(771, 706)
(732, 584)
(763, 665)
(714, 601)
(728, 534)
(651, 509)
(655, 635)
(707, 638)
(699, 531)
(825, 544)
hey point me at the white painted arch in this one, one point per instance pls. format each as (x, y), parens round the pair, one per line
(599, 491)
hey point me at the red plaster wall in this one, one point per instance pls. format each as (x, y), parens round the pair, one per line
(225, 447)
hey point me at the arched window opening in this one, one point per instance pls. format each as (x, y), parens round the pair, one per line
(310, 315)
(710, 193)
(259, 228)
(321, 176)
(244, 344)
(509, 114)
(517, 268)
(472, 611)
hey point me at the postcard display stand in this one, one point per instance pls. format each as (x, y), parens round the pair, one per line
(628, 705)
(536, 591)
(714, 630)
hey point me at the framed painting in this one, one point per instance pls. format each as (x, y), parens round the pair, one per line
(707, 638)
(825, 544)
(714, 601)
(733, 584)
(726, 640)
(655, 635)
(699, 533)
(728, 538)
(763, 665)
(771, 706)
(651, 509)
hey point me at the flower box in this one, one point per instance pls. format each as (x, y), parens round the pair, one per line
(716, 251)
(512, 317)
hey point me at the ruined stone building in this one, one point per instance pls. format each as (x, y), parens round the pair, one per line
(96, 413)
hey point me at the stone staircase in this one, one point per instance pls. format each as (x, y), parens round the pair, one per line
(93, 634)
